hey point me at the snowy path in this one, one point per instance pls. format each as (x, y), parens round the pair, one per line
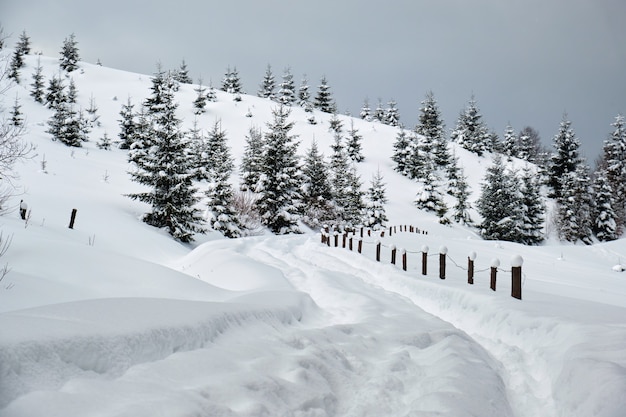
(299, 329)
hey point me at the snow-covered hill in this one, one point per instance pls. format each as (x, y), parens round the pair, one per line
(114, 318)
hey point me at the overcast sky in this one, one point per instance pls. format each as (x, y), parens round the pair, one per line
(527, 62)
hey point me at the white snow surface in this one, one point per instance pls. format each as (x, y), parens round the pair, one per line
(114, 318)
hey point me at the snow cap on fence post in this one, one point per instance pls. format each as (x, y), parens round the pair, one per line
(425, 249)
(516, 276)
(472, 255)
(443, 250)
(517, 261)
(495, 262)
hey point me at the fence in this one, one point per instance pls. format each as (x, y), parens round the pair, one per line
(331, 237)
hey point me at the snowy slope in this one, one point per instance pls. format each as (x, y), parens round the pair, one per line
(114, 318)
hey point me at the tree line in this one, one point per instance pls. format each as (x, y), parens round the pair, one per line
(285, 189)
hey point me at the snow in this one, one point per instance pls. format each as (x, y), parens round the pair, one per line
(114, 318)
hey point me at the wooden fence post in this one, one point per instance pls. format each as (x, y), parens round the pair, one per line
(73, 218)
(516, 277)
(494, 271)
(393, 254)
(345, 237)
(470, 267)
(350, 243)
(378, 250)
(442, 262)
(403, 259)
(336, 238)
(390, 231)
(360, 246)
(424, 259)
(361, 231)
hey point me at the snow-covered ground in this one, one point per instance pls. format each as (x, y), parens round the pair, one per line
(114, 318)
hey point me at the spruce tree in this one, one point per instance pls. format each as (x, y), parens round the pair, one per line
(429, 198)
(23, 44)
(498, 204)
(604, 219)
(353, 144)
(69, 54)
(287, 89)
(366, 112)
(431, 127)
(565, 158)
(17, 62)
(510, 143)
(17, 117)
(199, 103)
(182, 74)
(252, 160)
(221, 214)
(92, 111)
(55, 93)
(164, 167)
(66, 126)
(375, 215)
(471, 132)
(127, 125)
(529, 144)
(323, 100)
(574, 206)
(231, 82)
(354, 209)
(316, 189)
(268, 85)
(379, 112)
(104, 142)
(304, 96)
(401, 152)
(72, 92)
(280, 182)
(392, 115)
(461, 192)
(614, 157)
(532, 209)
(37, 93)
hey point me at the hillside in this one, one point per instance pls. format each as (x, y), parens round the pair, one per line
(115, 318)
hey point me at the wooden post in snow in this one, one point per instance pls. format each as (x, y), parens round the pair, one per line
(378, 250)
(442, 262)
(494, 271)
(403, 259)
(393, 254)
(73, 218)
(470, 267)
(516, 277)
(424, 259)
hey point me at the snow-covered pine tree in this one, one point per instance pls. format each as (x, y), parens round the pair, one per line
(614, 157)
(335, 125)
(510, 146)
(65, 125)
(69, 54)
(231, 82)
(532, 209)
(251, 166)
(140, 138)
(164, 167)
(324, 100)
(38, 84)
(55, 93)
(339, 166)
(529, 144)
(429, 197)
(287, 89)
(431, 127)
(379, 112)
(280, 182)
(461, 192)
(304, 96)
(104, 142)
(604, 219)
(23, 44)
(17, 117)
(354, 209)
(498, 203)
(92, 111)
(392, 115)
(72, 92)
(366, 112)
(127, 125)
(220, 212)
(17, 62)
(565, 158)
(199, 103)
(574, 206)
(316, 189)
(268, 85)
(182, 74)
(353, 144)
(375, 214)
(471, 132)
(420, 163)
(401, 152)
